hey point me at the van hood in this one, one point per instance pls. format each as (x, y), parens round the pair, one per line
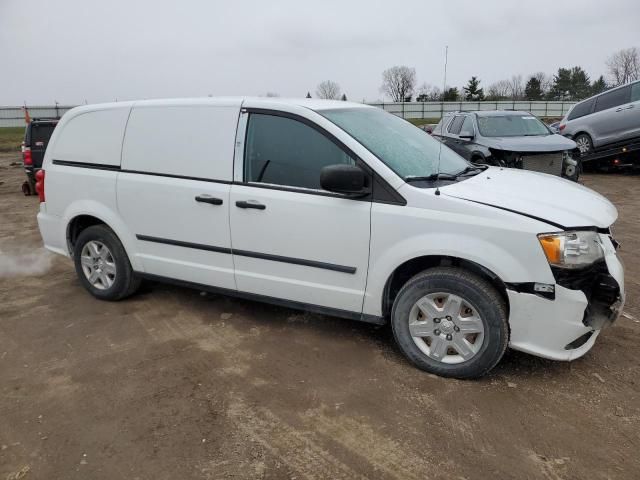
(555, 200)
(541, 143)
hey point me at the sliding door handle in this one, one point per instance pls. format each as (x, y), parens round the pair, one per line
(204, 198)
(250, 204)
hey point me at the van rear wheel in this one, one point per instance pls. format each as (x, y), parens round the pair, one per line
(102, 264)
(450, 322)
(584, 143)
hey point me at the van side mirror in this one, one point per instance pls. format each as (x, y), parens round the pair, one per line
(467, 135)
(342, 178)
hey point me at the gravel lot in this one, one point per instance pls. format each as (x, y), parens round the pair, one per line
(174, 384)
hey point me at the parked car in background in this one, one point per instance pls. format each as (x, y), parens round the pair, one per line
(36, 138)
(507, 138)
(333, 207)
(607, 118)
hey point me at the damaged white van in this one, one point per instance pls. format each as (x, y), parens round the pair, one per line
(337, 208)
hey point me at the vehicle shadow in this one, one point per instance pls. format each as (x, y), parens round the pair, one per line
(248, 314)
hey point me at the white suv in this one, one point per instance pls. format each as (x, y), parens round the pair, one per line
(337, 208)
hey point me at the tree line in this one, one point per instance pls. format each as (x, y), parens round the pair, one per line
(569, 84)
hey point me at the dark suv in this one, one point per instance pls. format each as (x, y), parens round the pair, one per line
(508, 138)
(36, 139)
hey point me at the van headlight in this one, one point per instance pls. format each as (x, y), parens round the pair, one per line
(571, 249)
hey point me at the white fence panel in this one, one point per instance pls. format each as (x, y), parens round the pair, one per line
(14, 116)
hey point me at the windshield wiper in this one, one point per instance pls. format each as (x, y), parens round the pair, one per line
(471, 169)
(428, 178)
(446, 176)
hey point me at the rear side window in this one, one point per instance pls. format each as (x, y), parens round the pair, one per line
(635, 92)
(40, 134)
(456, 125)
(284, 151)
(92, 137)
(614, 98)
(186, 140)
(582, 109)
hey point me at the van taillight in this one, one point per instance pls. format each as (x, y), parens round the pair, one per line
(561, 127)
(26, 157)
(40, 184)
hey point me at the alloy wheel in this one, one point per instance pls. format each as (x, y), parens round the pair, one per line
(98, 265)
(446, 327)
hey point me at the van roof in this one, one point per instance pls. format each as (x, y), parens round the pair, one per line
(602, 93)
(267, 102)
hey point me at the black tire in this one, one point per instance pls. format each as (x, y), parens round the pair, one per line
(583, 137)
(26, 189)
(125, 282)
(487, 301)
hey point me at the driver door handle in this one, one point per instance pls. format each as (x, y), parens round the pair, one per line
(250, 204)
(204, 198)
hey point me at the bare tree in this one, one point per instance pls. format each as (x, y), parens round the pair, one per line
(399, 82)
(516, 87)
(624, 66)
(499, 90)
(546, 81)
(328, 90)
(428, 93)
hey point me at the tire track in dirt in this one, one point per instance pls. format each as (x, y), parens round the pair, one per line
(385, 454)
(294, 448)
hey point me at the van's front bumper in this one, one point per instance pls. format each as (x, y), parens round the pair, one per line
(566, 327)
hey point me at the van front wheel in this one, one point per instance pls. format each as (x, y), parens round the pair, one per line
(102, 264)
(450, 322)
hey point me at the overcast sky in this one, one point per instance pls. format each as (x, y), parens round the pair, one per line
(77, 50)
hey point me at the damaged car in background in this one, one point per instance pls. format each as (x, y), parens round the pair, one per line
(514, 139)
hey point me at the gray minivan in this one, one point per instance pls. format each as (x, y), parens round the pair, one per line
(606, 118)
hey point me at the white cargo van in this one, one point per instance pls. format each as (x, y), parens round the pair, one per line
(337, 208)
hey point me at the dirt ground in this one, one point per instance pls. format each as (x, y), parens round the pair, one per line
(175, 384)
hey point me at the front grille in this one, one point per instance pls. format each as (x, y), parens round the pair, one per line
(550, 163)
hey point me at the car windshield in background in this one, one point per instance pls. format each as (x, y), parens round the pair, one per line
(511, 126)
(404, 148)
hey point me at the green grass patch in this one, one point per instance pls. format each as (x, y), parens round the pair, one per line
(11, 138)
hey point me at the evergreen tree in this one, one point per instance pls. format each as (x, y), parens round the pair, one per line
(451, 94)
(533, 89)
(598, 86)
(308, 94)
(561, 88)
(580, 84)
(344, 97)
(472, 91)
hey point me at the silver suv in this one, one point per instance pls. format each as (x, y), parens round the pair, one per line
(609, 117)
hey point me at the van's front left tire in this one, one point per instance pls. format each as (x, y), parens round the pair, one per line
(102, 264)
(450, 322)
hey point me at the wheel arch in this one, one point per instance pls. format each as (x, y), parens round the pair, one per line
(79, 219)
(582, 131)
(477, 155)
(403, 272)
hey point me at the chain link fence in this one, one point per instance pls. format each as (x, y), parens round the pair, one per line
(15, 116)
